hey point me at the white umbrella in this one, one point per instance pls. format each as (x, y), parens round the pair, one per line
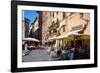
(31, 39)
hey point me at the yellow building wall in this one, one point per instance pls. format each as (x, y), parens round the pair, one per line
(87, 17)
(75, 20)
(69, 22)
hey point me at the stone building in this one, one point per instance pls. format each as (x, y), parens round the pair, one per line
(56, 25)
(34, 29)
(25, 27)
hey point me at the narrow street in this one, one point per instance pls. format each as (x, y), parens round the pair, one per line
(37, 55)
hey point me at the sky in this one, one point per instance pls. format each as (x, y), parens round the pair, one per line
(30, 14)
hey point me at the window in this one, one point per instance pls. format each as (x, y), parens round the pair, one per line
(57, 12)
(72, 13)
(81, 14)
(63, 28)
(53, 14)
(64, 15)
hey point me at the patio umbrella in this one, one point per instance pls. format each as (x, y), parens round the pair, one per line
(31, 39)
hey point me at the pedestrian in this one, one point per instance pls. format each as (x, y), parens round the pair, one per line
(53, 53)
(49, 49)
(71, 51)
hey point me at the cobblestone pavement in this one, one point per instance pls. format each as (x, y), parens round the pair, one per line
(37, 55)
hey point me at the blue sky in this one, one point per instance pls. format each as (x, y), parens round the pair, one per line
(30, 14)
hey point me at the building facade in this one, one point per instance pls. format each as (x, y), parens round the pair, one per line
(25, 27)
(59, 24)
(46, 23)
(34, 29)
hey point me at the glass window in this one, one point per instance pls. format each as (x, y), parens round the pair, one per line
(53, 14)
(63, 28)
(64, 15)
(57, 12)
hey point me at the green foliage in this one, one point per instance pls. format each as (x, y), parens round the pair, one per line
(54, 25)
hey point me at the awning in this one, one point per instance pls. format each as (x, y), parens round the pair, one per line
(71, 36)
